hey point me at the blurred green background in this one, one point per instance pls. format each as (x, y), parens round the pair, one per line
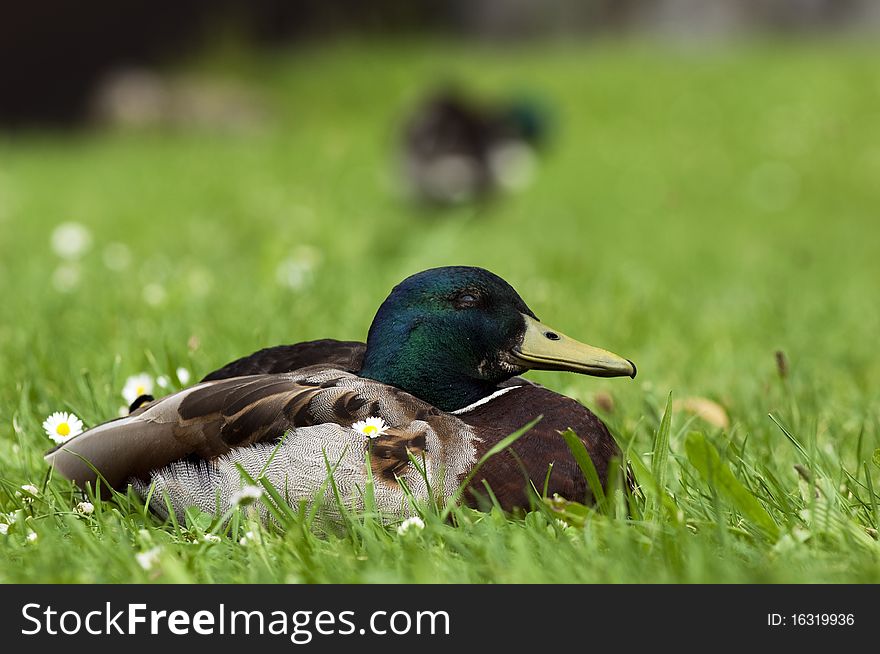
(706, 200)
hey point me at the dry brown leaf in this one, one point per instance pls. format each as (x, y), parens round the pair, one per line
(705, 409)
(604, 401)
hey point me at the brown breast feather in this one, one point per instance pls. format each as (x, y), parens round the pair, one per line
(511, 474)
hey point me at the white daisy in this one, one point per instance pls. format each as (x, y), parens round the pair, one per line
(137, 385)
(4, 529)
(70, 240)
(298, 270)
(32, 537)
(249, 537)
(211, 538)
(247, 495)
(31, 490)
(162, 381)
(61, 425)
(371, 427)
(148, 560)
(410, 523)
(85, 508)
(183, 375)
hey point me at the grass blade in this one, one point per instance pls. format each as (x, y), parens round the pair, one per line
(585, 463)
(500, 446)
(715, 472)
(660, 458)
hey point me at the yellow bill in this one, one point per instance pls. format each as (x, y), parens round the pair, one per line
(544, 348)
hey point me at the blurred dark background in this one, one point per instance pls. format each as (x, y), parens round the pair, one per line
(53, 54)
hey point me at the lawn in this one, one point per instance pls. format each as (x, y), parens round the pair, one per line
(698, 210)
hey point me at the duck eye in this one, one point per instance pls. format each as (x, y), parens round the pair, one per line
(465, 300)
(553, 336)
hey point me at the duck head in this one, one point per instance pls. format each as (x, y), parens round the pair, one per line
(525, 120)
(450, 335)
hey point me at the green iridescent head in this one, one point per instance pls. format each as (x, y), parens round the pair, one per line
(450, 335)
(526, 119)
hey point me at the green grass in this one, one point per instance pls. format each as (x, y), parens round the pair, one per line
(698, 211)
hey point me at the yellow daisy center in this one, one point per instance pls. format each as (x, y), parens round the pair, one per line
(370, 429)
(63, 429)
(140, 390)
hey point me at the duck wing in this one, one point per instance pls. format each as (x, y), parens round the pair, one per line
(342, 355)
(190, 446)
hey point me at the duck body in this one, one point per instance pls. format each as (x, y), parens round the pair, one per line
(289, 412)
(491, 420)
(456, 150)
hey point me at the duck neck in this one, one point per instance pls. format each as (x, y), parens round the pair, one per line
(432, 374)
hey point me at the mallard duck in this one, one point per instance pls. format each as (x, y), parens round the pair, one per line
(435, 383)
(455, 150)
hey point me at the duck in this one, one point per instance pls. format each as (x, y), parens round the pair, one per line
(456, 150)
(434, 388)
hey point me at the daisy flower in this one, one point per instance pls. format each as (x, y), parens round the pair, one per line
(31, 492)
(183, 375)
(137, 385)
(148, 559)
(32, 537)
(249, 537)
(247, 495)
(371, 427)
(4, 529)
(211, 538)
(162, 381)
(60, 426)
(70, 240)
(414, 523)
(85, 508)
(298, 270)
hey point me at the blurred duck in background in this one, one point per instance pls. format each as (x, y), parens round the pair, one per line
(456, 150)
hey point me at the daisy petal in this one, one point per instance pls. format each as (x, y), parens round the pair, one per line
(137, 385)
(62, 426)
(371, 427)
